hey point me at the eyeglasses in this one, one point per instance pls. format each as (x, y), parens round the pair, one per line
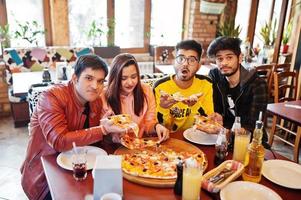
(191, 60)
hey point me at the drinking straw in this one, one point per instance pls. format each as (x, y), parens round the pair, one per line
(74, 147)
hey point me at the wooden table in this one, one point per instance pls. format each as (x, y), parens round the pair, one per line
(290, 111)
(63, 186)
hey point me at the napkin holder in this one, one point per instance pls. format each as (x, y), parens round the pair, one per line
(107, 176)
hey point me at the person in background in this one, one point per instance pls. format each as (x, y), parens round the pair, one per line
(65, 114)
(126, 94)
(237, 91)
(179, 115)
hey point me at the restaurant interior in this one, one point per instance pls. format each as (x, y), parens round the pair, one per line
(46, 37)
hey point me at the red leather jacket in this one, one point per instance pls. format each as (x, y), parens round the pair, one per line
(56, 123)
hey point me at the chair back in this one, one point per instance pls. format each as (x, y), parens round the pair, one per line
(164, 55)
(284, 67)
(265, 72)
(286, 86)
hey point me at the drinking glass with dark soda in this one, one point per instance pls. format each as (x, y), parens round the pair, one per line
(79, 164)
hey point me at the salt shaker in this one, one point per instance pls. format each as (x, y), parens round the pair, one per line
(46, 75)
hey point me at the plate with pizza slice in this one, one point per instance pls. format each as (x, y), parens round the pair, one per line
(156, 167)
(206, 124)
(199, 137)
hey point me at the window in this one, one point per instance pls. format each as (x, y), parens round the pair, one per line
(263, 16)
(243, 10)
(22, 11)
(166, 22)
(81, 16)
(129, 23)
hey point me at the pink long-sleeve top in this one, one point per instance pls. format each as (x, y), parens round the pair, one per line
(147, 119)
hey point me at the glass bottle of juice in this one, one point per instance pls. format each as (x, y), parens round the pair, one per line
(255, 155)
(236, 125)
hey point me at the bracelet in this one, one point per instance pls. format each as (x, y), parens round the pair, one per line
(103, 130)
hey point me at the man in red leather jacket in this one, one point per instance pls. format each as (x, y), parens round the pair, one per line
(59, 119)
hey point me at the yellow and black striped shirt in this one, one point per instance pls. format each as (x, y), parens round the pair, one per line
(180, 116)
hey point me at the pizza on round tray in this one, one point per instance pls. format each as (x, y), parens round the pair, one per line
(160, 164)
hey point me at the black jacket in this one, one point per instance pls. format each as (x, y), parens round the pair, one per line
(252, 99)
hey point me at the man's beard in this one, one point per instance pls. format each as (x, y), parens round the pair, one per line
(232, 73)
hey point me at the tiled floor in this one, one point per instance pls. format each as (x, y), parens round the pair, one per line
(13, 143)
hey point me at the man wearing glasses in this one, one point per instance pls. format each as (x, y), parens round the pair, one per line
(194, 90)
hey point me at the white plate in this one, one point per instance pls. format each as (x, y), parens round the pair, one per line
(282, 172)
(199, 137)
(64, 158)
(245, 190)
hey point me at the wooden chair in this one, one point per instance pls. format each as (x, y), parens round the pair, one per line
(277, 68)
(285, 67)
(286, 87)
(265, 72)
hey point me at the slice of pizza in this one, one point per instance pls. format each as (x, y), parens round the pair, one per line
(180, 97)
(125, 121)
(138, 143)
(206, 124)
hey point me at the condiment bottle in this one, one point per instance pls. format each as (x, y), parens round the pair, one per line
(220, 147)
(46, 75)
(255, 155)
(236, 125)
(179, 182)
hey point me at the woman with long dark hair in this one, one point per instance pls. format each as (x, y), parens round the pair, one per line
(125, 94)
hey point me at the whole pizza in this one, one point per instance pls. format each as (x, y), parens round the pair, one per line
(158, 164)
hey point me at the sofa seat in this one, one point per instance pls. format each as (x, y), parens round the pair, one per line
(22, 60)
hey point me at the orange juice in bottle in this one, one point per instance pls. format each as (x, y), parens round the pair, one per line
(255, 155)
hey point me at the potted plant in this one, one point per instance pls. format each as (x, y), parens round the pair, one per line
(286, 36)
(29, 31)
(97, 29)
(229, 29)
(95, 32)
(268, 34)
(4, 36)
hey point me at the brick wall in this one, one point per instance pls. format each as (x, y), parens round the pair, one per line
(202, 27)
(4, 102)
